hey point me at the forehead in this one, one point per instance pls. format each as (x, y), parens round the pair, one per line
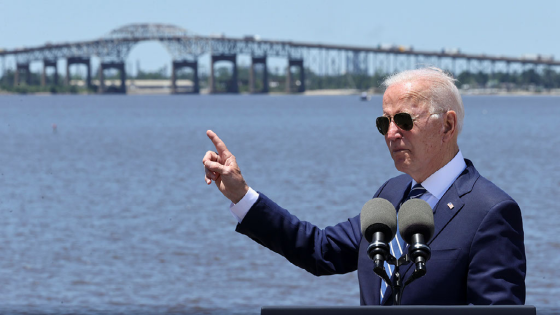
(411, 96)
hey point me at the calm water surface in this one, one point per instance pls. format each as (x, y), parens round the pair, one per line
(110, 210)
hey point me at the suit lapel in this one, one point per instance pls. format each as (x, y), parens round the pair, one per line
(397, 197)
(451, 203)
(446, 209)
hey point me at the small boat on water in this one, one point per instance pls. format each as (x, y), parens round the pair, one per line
(364, 96)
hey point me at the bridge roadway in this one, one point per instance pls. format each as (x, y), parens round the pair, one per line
(185, 49)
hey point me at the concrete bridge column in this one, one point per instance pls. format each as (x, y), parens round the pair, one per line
(196, 88)
(88, 75)
(252, 78)
(101, 86)
(112, 65)
(3, 68)
(67, 78)
(212, 83)
(258, 60)
(78, 60)
(508, 76)
(233, 87)
(46, 64)
(295, 63)
(288, 79)
(123, 79)
(23, 67)
(173, 79)
(176, 66)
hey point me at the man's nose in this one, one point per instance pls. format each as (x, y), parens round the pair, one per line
(394, 132)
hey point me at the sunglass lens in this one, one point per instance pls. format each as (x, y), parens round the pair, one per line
(382, 124)
(404, 121)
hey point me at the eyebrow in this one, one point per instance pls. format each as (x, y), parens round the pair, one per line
(385, 114)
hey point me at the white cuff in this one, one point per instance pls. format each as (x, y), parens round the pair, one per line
(240, 209)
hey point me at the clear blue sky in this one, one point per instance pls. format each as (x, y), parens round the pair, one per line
(509, 28)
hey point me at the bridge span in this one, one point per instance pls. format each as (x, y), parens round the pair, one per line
(186, 48)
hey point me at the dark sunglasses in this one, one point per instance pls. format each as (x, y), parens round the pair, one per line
(402, 120)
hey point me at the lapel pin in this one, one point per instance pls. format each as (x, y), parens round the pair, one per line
(450, 205)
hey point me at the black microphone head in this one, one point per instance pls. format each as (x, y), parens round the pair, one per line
(378, 215)
(416, 216)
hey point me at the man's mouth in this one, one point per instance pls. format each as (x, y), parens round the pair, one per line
(398, 150)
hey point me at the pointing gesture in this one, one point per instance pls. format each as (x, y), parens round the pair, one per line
(222, 168)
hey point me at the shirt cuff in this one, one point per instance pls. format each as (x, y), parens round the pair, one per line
(240, 209)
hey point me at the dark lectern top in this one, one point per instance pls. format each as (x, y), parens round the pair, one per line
(401, 310)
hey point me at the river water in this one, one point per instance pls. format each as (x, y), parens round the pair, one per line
(104, 207)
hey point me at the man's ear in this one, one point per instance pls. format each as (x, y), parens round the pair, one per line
(449, 127)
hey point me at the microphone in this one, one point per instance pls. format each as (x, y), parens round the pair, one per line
(378, 221)
(416, 226)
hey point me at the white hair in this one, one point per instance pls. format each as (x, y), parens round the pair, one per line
(444, 95)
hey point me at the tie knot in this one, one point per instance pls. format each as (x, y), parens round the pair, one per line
(416, 192)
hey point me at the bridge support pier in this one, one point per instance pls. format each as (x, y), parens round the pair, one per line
(78, 60)
(295, 63)
(49, 63)
(22, 67)
(232, 86)
(255, 61)
(176, 66)
(3, 71)
(112, 65)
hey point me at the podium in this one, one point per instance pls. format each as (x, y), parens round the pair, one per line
(401, 310)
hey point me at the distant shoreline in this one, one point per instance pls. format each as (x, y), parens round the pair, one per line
(325, 92)
(487, 92)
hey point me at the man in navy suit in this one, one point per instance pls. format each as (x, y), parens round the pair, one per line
(478, 253)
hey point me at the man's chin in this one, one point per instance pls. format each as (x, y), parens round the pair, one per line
(401, 166)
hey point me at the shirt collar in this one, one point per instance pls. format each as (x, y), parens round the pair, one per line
(440, 181)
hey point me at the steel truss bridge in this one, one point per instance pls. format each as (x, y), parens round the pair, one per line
(185, 49)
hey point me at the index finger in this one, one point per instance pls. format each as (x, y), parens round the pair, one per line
(218, 143)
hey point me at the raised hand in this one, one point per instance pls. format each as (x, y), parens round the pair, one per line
(222, 168)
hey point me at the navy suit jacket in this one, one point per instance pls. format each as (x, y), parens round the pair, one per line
(478, 252)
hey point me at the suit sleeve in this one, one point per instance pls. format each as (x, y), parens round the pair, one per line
(497, 258)
(333, 250)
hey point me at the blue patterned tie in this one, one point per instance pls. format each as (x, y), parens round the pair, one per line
(397, 244)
